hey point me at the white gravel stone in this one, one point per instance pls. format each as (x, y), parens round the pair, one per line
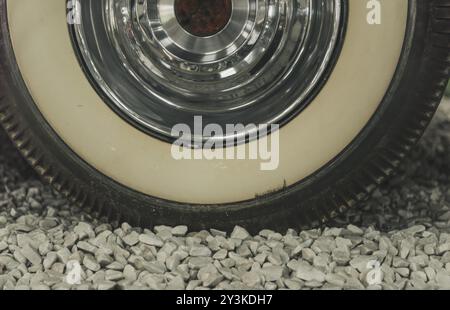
(87, 247)
(404, 272)
(216, 233)
(335, 279)
(308, 254)
(221, 254)
(90, 263)
(31, 255)
(430, 272)
(251, 279)
(116, 266)
(445, 247)
(129, 272)
(106, 285)
(353, 284)
(180, 230)
(293, 284)
(355, 230)
(131, 239)
(48, 223)
(63, 255)
(3, 246)
(209, 275)
(443, 280)
(177, 283)
(306, 272)
(272, 273)
(49, 260)
(429, 249)
(405, 248)
(84, 230)
(151, 240)
(103, 258)
(113, 275)
(155, 267)
(200, 250)
(341, 256)
(239, 233)
(362, 263)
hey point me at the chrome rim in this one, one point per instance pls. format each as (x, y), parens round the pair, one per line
(156, 68)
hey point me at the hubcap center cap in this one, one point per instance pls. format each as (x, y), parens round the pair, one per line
(203, 18)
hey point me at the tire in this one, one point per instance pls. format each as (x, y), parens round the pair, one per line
(369, 111)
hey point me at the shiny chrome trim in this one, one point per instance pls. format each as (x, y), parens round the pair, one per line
(259, 69)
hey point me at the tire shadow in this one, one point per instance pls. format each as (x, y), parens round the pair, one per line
(419, 193)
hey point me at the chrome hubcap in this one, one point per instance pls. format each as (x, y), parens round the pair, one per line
(159, 63)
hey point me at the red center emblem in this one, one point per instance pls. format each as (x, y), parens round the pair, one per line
(203, 18)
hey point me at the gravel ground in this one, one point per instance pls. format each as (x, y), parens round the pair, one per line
(398, 239)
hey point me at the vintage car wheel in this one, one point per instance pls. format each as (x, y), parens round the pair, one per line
(91, 92)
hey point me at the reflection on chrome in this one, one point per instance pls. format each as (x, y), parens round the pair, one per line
(259, 68)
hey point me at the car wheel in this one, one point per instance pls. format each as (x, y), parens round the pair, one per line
(104, 99)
